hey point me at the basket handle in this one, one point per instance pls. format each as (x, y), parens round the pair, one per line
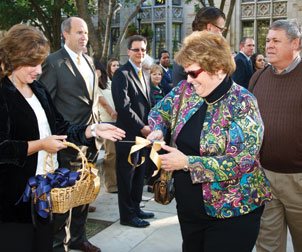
(83, 157)
(51, 163)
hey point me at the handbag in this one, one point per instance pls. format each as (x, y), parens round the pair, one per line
(163, 188)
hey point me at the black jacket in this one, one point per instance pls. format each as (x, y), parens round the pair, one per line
(131, 102)
(18, 125)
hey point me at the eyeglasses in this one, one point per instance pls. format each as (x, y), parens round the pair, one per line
(137, 50)
(194, 74)
(222, 29)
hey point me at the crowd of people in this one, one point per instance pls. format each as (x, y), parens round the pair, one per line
(233, 117)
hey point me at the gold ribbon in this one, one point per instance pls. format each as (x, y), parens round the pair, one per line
(141, 143)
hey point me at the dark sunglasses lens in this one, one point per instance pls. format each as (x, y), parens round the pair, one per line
(192, 74)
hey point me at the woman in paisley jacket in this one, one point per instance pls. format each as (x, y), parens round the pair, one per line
(220, 187)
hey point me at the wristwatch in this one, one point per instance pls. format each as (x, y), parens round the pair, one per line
(186, 166)
(92, 128)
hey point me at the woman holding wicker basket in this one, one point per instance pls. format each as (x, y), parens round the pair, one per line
(220, 186)
(30, 127)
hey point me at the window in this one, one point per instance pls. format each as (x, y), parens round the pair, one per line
(160, 2)
(262, 28)
(176, 38)
(115, 33)
(160, 38)
(248, 29)
(176, 2)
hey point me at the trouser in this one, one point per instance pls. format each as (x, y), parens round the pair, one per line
(130, 182)
(284, 211)
(76, 234)
(16, 237)
(203, 233)
(236, 234)
(108, 167)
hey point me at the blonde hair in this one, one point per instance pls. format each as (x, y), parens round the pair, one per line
(210, 51)
(23, 45)
(155, 68)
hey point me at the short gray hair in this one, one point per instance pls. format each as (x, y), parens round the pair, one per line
(66, 25)
(291, 27)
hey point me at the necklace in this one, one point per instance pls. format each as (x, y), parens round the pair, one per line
(211, 103)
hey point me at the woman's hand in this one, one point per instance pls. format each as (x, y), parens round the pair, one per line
(156, 135)
(109, 131)
(53, 144)
(173, 160)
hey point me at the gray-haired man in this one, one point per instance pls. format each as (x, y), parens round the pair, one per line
(279, 94)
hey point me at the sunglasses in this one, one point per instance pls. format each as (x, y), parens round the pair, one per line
(194, 74)
(137, 50)
(222, 29)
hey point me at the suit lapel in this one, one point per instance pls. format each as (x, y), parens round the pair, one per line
(92, 67)
(137, 82)
(67, 61)
(74, 70)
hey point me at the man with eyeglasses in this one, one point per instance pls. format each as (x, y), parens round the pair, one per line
(209, 19)
(244, 67)
(132, 98)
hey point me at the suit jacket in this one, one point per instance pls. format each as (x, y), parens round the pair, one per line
(68, 88)
(131, 102)
(166, 80)
(18, 125)
(244, 70)
(233, 181)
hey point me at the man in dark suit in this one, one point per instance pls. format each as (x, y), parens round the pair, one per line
(132, 97)
(164, 62)
(244, 68)
(69, 75)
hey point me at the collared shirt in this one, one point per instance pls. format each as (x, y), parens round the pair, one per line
(166, 69)
(136, 70)
(291, 67)
(85, 69)
(248, 58)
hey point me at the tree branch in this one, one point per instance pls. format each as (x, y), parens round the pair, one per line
(125, 28)
(229, 16)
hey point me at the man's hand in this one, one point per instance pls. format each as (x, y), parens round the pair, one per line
(109, 131)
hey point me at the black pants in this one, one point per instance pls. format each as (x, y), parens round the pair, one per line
(16, 237)
(203, 233)
(130, 182)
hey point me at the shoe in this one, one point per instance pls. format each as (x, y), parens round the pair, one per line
(135, 222)
(91, 209)
(144, 215)
(86, 247)
(141, 205)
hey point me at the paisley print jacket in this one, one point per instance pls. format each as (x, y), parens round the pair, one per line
(228, 167)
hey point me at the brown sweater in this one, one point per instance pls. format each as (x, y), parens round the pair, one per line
(280, 103)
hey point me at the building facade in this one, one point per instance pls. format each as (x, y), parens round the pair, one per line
(171, 21)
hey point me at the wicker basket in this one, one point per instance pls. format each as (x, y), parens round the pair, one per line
(84, 191)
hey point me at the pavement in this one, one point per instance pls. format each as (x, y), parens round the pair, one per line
(163, 235)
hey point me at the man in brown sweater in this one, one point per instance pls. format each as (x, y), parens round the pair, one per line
(279, 94)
